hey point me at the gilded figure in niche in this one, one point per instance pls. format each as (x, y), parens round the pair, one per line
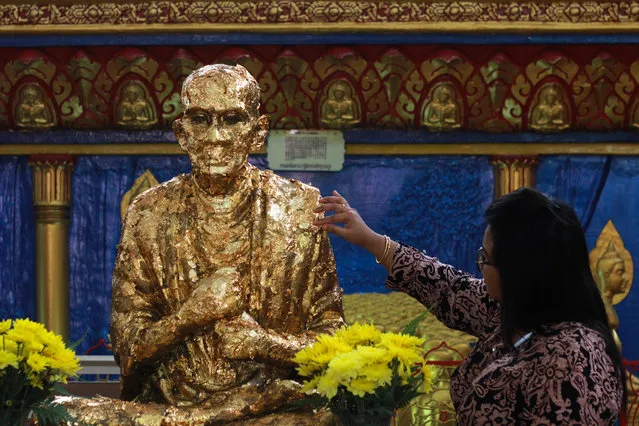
(220, 278)
(612, 267)
(33, 109)
(141, 184)
(551, 112)
(133, 108)
(340, 109)
(443, 110)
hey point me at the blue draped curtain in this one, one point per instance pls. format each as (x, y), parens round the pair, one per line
(433, 203)
(99, 183)
(17, 239)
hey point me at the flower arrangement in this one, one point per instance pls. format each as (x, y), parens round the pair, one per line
(33, 361)
(362, 374)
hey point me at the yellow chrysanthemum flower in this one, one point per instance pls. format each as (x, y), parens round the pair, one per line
(7, 359)
(406, 349)
(5, 326)
(36, 381)
(378, 373)
(360, 387)
(427, 374)
(316, 357)
(327, 386)
(359, 334)
(37, 362)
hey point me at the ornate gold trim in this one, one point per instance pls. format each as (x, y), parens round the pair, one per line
(317, 15)
(351, 149)
(52, 200)
(338, 27)
(511, 173)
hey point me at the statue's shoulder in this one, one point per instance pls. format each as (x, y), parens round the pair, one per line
(286, 189)
(159, 198)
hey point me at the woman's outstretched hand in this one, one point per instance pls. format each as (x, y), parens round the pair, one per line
(354, 229)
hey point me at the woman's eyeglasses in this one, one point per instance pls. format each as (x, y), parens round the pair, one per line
(482, 259)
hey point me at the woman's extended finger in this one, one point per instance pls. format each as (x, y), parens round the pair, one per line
(331, 207)
(336, 218)
(332, 199)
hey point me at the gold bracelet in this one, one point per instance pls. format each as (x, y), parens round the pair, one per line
(387, 244)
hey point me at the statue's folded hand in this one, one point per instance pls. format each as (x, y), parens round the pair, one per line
(240, 337)
(218, 296)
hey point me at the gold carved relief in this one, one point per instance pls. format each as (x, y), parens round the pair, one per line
(33, 110)
(443, 110)
(134, 107)
(339, 108)
(141, 184)
(550, 110)
(612, 268)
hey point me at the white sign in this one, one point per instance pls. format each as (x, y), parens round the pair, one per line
(308, 150)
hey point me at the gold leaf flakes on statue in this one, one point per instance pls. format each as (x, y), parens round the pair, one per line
(141, 184)
(339, 108)
(134, 107)
(32, 109)
(551, 109)
(611, 264)
(443, 109)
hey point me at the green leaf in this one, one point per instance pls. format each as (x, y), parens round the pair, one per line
(73, 345)
(411, 327)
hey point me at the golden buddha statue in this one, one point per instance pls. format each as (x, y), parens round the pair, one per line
(442, 111)
(133, 109)
(550, 114)
(32, 110)
(220, 278)
(612, 280)
(340, 110)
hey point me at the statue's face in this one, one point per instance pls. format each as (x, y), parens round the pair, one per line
(131, 93)
(219, 127)
(551, 97)
(444, 96)
(339, 94)
(617, 279)
(30, 96)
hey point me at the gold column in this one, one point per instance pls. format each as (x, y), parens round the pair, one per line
(52, 200)
(512, 173)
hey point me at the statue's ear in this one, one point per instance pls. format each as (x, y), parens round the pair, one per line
(260, 134)
(180, 133)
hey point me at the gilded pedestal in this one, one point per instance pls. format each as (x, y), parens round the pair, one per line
(512, 173)
(52, 199)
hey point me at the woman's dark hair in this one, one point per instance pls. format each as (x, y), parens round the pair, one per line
(540, 251)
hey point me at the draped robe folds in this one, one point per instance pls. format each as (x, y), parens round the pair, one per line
(172, 238)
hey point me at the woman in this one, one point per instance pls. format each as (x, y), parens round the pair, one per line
(545, 353)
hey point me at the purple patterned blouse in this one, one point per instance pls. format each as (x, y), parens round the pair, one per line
(559, 376)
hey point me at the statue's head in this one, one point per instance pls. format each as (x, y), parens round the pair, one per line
(221, 123)
(551, 95)
(340, 90)
(611, 271)
(444, 94)
(30, 95)
(133, 92)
